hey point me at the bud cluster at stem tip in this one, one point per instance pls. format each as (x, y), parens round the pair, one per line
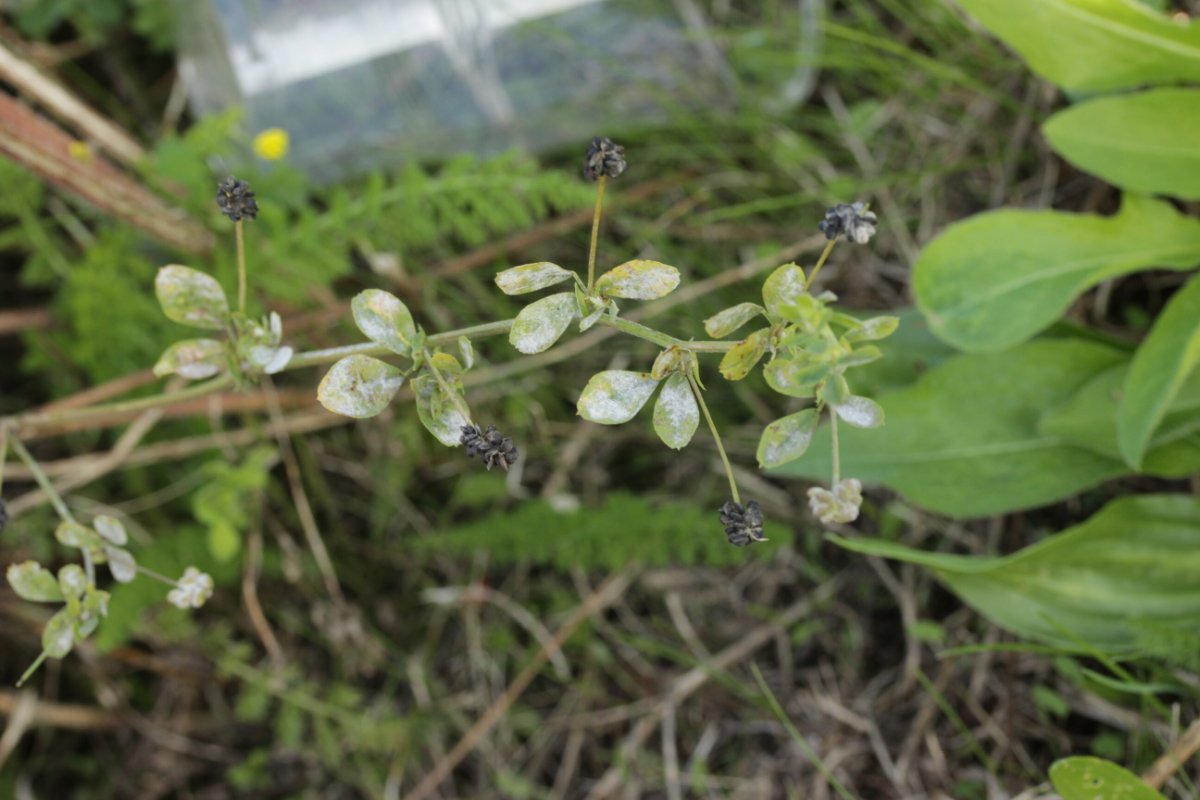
(604, 157)
(743, 524)
(851, 220)
(493, 448)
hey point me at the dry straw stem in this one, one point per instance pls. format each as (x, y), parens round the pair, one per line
(605, 595)
(1179, 754)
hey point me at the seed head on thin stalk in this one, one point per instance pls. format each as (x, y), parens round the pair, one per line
(493, 448)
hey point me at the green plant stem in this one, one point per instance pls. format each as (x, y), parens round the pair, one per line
(837, 456)
(37, 662)
(665, 340)
(158, 576)
(712, 427)
(123, 407)
(42, 480)
(595, 233)
(330, 354)
(241, 261)
(820, 263)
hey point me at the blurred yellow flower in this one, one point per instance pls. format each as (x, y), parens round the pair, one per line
(271, 144)
(80, 151)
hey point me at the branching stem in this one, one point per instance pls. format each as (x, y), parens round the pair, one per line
(43, 481)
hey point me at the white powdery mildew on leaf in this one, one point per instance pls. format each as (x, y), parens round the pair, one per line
(359, 386)
(860, 412)
(191, 297)
(676, 415)
(121, 564)
(726, 322)
(639, 280)
(782, 287)
(877, 328)
(787, 438)
(539, 324)
(33, 582)
(384, 319)
(531, 277)
(615, 396)
(58, 637)
(439, 412)
(111, 529)
(192, 359)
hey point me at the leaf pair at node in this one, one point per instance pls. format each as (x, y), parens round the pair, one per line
(615, 396)
(540, 324)
(194, 298)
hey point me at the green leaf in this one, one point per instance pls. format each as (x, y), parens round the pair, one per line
(1160, 366)
(1089, 778)
(1133, 141)
(615, 396)
(787, 438)
(741, 358)
(668, 361)
(638, 280)
(446, 364)
(874, 329)
(223, 540)
(438, 410)
(539, 324)
(34, 583)
(466, 352)
(795, 377)
(1094, 45)
(58, 637)
(1000, 277)
(676, 415)
(192, 359)
(726, 322)
(531, 277)
(121, 564)
(111, 529)
(964, 441)
(72, 534)
(359, 386)
(782, 289)
(72, 581)
(1088, 419)
(861, 412)
(384, 319)
(191, 297)
(1096, 584)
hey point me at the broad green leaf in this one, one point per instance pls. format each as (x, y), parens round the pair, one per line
(964, 441)
(638, 280)
(1160, 366)
(874, 329)
(531, 277)
(615, 396)
(793, 377)
(439, 411)
(1094, 45)
(741, 358)
(1088, 419)
(359, 386)
(73, 534)
(121, 564)
(72, 581)
(912, 350)
(446, 364)
(787, 438)
(1134, 141)
(34, 583)
(191, 297)
(466, 352)
(1096, 584)
(58, 637)
(384, 319)
(1000, 277)
(676, 415)
(192, 359)
(111, 529)
(539, 324)
(782, 288)
(861, 412)
(1089, 778)
(726, 322)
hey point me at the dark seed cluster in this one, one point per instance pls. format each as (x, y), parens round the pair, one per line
(743, 524)
(851, 220)
(493, 448)
(236, 200)
(3, 515)
(604, 157)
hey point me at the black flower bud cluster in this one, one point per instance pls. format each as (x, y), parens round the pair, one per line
(493, 448)
(604, 157)
(851, 220)
(236, 200)
(3, 515)
(743, 524)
